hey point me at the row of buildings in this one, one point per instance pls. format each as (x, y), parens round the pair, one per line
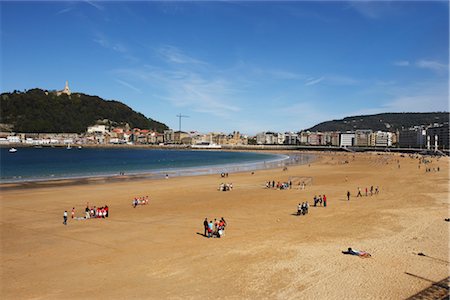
(436, 135)
(103, 135)
(363, 138)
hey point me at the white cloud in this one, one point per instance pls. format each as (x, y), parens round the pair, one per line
(188, 89)
(174, 55)
(128, 85)
(313, 81)
(94, 4)
(431, 65)
(65, 10)
(401, 63)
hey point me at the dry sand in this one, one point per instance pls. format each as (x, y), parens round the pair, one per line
(156, 251)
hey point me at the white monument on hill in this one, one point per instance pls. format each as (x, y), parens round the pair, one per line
(66, 90)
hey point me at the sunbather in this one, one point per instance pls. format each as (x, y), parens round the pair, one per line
(362, 254)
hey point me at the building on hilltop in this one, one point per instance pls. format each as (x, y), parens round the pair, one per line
(66, 90)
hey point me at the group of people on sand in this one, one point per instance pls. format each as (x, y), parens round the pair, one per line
(302, 208)
(279, 185)
(96, 212)
(139, 201)
(89, 212)
(214, 229)
(368, 192)
(320, 200)
(223, 187)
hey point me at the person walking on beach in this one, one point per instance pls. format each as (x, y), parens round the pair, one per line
(73, 212)
(348, 195)
(324, 201)
(65, 217)
(205, 225)
(359, 192)
(366, 191)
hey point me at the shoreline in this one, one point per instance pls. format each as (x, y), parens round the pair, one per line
(283, 160)
(253, 148)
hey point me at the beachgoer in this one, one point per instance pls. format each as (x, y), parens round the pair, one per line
(224, 222)
(324, 201)
(348, 195)
(205, 225)
(210, 229)
(366, 192)
(73, 212)
(359, 192)
(299, 209)
(65, 217)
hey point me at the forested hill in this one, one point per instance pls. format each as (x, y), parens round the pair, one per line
(384, 122)
(40, 111)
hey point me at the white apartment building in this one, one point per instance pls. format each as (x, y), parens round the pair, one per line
(347, 139)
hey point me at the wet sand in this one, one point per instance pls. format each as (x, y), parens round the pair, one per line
(158, 251)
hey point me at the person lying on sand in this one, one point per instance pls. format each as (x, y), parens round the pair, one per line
(359, 253)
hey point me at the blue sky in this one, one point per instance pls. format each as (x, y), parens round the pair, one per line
(249, 66)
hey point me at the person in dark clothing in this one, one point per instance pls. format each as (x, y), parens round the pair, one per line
(348, 195)
(205, 224)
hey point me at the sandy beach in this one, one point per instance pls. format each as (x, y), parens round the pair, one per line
(158, 251)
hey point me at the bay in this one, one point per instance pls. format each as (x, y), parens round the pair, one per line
(34, 164)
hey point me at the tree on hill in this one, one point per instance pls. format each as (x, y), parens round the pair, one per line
(41, 111)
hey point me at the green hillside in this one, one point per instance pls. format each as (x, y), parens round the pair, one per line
(384, 122)
(40, 111)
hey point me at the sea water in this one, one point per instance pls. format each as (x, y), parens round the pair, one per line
(34, 164)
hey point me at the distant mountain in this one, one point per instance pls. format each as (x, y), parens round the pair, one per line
(42, 111)
(384, 122)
